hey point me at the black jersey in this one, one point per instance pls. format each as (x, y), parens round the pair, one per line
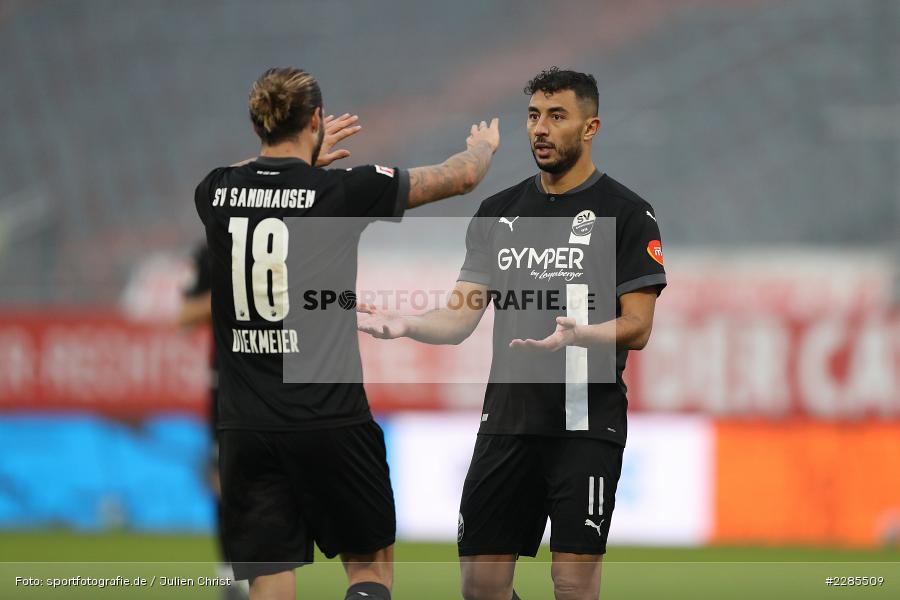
(571, 403)
(202, 284)
(244, 209)
(202, 278)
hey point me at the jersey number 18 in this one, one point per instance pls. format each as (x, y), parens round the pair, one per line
(268, 273)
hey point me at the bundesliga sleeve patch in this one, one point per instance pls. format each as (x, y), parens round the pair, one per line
(384, 170)
(654, 249)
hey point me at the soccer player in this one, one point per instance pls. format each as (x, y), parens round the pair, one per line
(303, 462)
(547, 448)
(196, 311)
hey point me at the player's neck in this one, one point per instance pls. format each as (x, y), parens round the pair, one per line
(288, 149)
(560, 183)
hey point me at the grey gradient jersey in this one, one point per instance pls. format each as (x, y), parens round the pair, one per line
(615, 236)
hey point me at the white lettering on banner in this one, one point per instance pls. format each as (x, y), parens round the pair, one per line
(101, 363)
(873, 383)
(699, 366)
(764, 350)
(105, 363)
(765, 365)
(869, 385)
(17, 362)
(832, 368)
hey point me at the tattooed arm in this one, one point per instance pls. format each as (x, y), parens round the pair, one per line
(460, 173)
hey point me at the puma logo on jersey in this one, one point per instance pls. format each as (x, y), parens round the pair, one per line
(651, 216)
(590, 523)
(508, 222)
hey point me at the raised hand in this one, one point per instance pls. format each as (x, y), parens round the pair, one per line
(336, 129)
(482, 132)
(460, 173)
(564, 335)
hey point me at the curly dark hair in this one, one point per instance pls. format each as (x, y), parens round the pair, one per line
(554, 79)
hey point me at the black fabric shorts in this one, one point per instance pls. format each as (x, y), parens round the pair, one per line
(283, 491)
(516, 481)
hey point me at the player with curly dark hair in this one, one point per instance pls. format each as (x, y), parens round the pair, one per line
(553, 448)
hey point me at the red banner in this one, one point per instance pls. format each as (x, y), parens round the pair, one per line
(737, 336)
(96, 362)
(775, 365)
(764, 365)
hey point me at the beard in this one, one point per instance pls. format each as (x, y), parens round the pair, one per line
(318, 147)
(568, 156)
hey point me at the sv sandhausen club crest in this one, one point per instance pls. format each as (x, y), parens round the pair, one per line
(582, 226)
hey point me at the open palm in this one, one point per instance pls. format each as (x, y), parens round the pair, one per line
(563, 336)
(381, 324)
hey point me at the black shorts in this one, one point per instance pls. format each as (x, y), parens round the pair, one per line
(516, 481)
(282, 491)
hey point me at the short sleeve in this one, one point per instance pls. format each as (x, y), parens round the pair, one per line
(639, 254)
(201, 200)
(203, 197)
(202, 281)
(477, 265)
(376, 192)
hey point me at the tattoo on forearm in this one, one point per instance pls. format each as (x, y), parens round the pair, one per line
(427, 184)
(474, 161)
(457, 175)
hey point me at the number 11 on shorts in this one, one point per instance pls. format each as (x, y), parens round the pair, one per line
(595, 493)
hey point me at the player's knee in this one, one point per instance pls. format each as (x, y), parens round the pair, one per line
(470, 590)
(575, 586)
(480, 588)
(482, 592)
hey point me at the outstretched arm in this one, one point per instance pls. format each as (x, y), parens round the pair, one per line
(460, 173)
(449, 325)
(631, 331)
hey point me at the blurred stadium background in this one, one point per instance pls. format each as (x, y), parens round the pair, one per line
(765, 413)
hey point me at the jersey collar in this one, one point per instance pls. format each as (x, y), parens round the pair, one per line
(280, 161)
(594, 178)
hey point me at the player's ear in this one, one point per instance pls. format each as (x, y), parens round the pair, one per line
(591, 128)
(316, 121)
